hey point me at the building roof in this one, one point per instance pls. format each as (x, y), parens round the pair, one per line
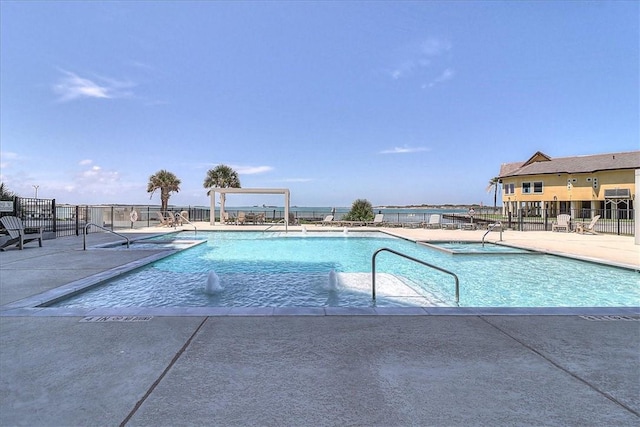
(540, 164)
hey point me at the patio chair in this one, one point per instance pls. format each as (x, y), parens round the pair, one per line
(242, 218)
(581, 228)
(378, 220)
(328, 220)
(434, 221)
(563, 222)
(17, 233)
(229, 218)
(292, 219)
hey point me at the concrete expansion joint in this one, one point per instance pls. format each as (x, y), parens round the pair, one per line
(163, 374)
(562, 368)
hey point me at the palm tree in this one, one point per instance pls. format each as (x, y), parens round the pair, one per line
(167, 182)
(493, 185)
(222, 176)
(361, 210)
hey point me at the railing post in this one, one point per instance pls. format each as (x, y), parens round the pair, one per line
(54, 216)
(77, 220)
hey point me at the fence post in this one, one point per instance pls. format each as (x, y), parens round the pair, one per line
(618, 225)
(54, 216)
(520, 220)
(77, 220)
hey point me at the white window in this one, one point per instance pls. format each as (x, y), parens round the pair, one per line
(508, 188)
(526, 188)
(537, 187)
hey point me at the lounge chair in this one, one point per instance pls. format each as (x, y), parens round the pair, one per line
(173, 221)
(434, 221)
(328, 220)
(351, 223)
(378, 220)
(581, 228)
(563, 222)
(164, 222)
(17, 233)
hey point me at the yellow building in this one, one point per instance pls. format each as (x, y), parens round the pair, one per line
(583, 186)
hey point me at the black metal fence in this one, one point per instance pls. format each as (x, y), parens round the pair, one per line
(66, 220)
(69, 220)
(611, 221)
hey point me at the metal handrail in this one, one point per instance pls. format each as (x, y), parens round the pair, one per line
(286, 226)
(195, 230)
(419, 261)
(491, 227)
(86, 228)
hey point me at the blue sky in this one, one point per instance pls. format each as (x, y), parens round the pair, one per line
(396, 102)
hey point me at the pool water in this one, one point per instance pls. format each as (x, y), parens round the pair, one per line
(256, 269)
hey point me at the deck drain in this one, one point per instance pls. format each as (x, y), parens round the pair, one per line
(117, 319)
(609, 318)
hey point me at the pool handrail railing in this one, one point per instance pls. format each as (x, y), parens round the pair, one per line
(490, 228)
(419, 261)
(86, 228)
(182, 217)
(286, 226)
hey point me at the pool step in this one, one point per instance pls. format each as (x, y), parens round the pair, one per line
(390, 287)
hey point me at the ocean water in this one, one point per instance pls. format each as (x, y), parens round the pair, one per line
(314, 212)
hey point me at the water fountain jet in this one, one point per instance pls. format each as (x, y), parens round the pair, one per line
(213, 284)
(332, 284)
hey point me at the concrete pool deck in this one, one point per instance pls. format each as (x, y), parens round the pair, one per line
(479, 368)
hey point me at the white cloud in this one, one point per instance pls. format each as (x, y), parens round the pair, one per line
(404, 150)
(6, 157)
(403, 70)
(85, 162)
(71, 86)
(435, 47)
(250, 170)
(446, 75)
(421, 56)
(296, 180)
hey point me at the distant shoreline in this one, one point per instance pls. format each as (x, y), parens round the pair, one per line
(445, 206)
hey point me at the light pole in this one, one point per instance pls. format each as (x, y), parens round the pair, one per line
(36, 187)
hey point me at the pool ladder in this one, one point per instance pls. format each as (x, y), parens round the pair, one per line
(490, 228)
(286, 226)
(195, 230)
(419, 261)
(86, 230)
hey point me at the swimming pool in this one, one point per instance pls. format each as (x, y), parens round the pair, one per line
(255, 269)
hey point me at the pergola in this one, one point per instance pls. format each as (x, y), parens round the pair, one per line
(224, 191)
